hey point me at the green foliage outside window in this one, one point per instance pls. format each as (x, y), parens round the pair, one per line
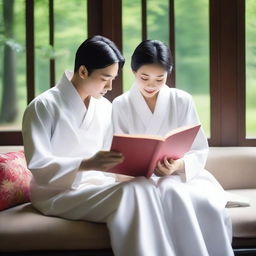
(250, 68)
(191, 44)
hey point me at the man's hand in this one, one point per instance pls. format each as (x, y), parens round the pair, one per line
(102, 161)
(169, 166)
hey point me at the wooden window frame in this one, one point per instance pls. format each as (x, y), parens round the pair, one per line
(227, 73)
(227, 61)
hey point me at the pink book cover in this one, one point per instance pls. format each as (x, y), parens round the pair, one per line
(142, 152)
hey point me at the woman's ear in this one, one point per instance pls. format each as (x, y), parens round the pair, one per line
(83, 72)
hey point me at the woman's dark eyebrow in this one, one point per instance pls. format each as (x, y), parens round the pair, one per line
(148, 75)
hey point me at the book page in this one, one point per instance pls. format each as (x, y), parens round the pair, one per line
(140, 136)
(137, 153)
(179, 129)
(176, 145)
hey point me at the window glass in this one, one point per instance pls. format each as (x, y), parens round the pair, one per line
(13, 64)
(250, 69)
(158, 20)
(70, 20)
(43, 51)
(131, 36)
(192, 54)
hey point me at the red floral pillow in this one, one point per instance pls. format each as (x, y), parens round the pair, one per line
(14, 179)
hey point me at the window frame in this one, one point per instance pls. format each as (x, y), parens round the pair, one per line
(227, 62)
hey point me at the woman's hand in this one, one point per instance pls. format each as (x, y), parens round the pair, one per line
(102, 161)
(169, 166)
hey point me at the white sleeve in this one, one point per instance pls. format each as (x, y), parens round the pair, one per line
(196, 158)
(108, 136)
(119, 117)
(47, 168)
(107, 145)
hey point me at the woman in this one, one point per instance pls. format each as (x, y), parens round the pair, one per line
(192, 201)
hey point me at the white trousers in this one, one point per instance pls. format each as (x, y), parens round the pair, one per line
(162, 217)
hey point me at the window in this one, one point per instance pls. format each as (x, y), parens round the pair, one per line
(43, 49)
(191, 45)
(192, 54)
(68, 32)
(250, 69)
(212, 43)
(70, 29)
(158, 20)
(13, 64)
(37, 40)
(132, 30)
(156, 17)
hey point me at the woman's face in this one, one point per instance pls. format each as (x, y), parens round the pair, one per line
(150, 78)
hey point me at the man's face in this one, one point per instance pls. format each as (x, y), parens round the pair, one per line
(99, 82)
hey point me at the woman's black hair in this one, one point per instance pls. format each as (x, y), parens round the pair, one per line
(152, 52)
(97, 52)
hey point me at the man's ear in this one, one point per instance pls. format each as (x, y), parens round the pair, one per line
(83, 72)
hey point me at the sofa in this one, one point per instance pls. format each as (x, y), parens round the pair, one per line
(25, 231)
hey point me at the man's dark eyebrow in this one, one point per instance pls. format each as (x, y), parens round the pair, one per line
(107, 75)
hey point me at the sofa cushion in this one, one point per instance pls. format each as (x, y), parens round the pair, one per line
(244, 218)
(233, 167)
(5, 149)
(14, 179)
(30, 230)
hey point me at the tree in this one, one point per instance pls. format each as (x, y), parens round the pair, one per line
(9, 99)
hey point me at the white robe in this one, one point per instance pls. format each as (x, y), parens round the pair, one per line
(193, 202)
(58, 132)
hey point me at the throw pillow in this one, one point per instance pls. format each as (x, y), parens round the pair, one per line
(14, 179)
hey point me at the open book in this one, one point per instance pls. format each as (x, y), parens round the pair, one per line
(142, 152)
